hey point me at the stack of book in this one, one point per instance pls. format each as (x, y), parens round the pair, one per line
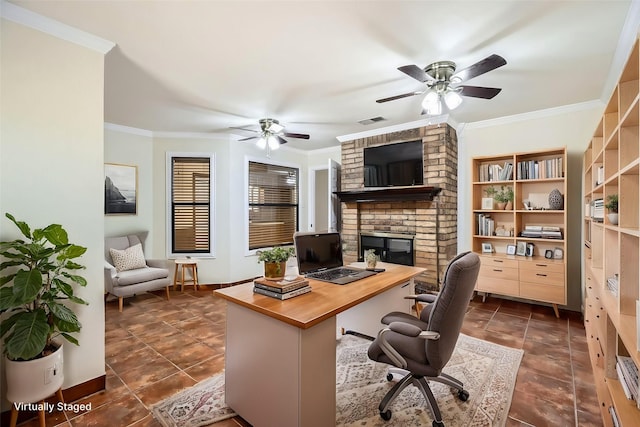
(283, 289)
(628, 376)
(541, 232)
(494, 172)
(485, 225)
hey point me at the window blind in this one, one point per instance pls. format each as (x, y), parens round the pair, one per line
(190, 204)
(273, 205)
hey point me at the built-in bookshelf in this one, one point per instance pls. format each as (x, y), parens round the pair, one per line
(522, 245)
(611, 249)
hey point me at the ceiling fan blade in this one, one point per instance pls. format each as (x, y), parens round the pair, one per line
(281, 140)
(243, 128)
(247, 139)
(393, 98)
(479, 92)
(296, 135)
(487, 64)
(415, 72)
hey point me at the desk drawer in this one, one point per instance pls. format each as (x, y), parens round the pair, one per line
(498, 272)
(542, 277)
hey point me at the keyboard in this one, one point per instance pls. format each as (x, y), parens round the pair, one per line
(332, 274)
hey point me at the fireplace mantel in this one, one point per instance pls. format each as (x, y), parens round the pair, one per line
(388, 194)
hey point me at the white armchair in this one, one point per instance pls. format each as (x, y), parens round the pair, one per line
(127, 272)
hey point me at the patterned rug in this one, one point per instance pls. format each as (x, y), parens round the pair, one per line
(487, 370)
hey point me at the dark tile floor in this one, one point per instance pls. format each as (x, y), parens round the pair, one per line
(156, 347)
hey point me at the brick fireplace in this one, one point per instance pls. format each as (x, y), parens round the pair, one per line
(433, 223)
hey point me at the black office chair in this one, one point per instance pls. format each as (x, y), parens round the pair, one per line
(421, 349)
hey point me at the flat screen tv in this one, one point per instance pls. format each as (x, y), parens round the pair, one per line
(393, 165)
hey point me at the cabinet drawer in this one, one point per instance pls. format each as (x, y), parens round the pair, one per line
(543, 277)
(495, 261)
(542, 266)
(498, 286)
(543, 292)
(498, 272)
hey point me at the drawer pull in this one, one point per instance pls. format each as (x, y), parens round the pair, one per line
(541, 265)
(498, 270)
(497, 260)
(541, 275)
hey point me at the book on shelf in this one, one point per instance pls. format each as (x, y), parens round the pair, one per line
(541, 232)
(540, 169)
(485, 225)
(628, 376)
(495, 172)
(282, 286)
(282, 296)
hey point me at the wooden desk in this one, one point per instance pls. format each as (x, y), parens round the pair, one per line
(280, 361)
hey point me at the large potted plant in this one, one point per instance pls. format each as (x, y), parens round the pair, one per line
(38, 276)
(275, 261)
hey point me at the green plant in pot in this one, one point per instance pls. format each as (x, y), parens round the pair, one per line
(39, 273)
(612, 207)
(503, 196)
(275, 261)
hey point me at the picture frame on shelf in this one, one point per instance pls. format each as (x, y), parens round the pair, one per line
(521, 249)
(511, 249)
(548, 254)
(487, 203)
(487, 248)
(558, 253)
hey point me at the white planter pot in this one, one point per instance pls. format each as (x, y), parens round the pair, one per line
(613, 218)
(34, 380)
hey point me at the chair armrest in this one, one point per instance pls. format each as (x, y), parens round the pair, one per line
(426, 298)
(391, 352)
(110, 273)
(405, 329)
(159, 263)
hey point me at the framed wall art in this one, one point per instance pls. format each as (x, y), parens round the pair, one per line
(120, 189)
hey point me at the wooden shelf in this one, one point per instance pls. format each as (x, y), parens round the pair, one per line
(613, 249)
(535, 175)
(387, 194)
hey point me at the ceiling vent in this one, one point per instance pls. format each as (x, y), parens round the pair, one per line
(372, 120)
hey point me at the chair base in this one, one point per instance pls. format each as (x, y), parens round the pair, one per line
(422, 383)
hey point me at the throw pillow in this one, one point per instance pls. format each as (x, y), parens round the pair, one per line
(128, 259)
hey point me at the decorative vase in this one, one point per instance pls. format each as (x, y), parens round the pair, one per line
(30, 381)
(509, 206)
(555, 200)
(275, 270)
(613, 218)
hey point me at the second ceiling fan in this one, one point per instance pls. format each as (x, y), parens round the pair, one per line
(271, 134)
(444, 83)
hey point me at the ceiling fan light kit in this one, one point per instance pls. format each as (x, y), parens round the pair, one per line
(269, 136)
(443, 83)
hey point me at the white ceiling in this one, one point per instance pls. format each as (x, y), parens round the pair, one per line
(319, 66)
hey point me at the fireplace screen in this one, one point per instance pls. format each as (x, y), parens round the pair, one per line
(390, 247)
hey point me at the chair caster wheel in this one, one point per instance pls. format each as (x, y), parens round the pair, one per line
(386, 415)
(463, 395)
(437, 424)
(389, 377)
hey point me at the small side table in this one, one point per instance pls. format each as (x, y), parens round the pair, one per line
(185, 265)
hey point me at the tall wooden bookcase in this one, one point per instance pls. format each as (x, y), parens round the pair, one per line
(612, 166)
(540, 274)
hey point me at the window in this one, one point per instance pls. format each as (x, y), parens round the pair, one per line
(191, 201)
(273, 205)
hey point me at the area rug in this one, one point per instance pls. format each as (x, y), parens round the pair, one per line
(487, 370)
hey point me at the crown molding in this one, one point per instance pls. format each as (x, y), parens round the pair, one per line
(126, 129)
(531, 115)
(54, 28)
(436, 120)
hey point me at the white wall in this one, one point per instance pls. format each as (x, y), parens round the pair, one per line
(51, 164)
(570, 127)
(133, 149)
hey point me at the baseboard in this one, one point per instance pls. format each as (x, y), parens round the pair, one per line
(70, 394)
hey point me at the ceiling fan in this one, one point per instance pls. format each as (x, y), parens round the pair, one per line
(443, 83)
(271, 134)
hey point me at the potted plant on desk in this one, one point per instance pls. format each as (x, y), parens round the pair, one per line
(41, 276)
(275, 261)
